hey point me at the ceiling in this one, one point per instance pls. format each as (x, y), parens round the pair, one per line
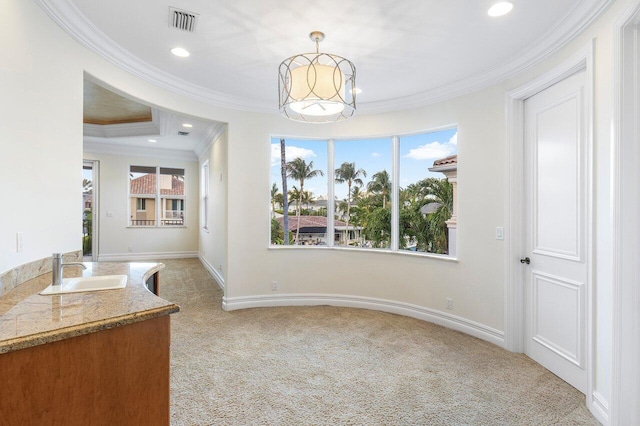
(115, 123)
(407, 52)
(101, 106)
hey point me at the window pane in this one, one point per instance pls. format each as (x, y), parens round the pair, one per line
(172, 212)
(306, 165)
(142, 187)
(171, 181)
(142, 180)
(363, 193)
(171, 185)
(428, 173)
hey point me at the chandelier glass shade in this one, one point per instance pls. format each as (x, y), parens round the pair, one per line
(317, 87)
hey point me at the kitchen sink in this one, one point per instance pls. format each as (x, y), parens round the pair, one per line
(80, 284)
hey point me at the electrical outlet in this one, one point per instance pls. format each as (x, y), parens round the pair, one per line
(130, 249)
(220, 267)
(449, 303)
(274, 285)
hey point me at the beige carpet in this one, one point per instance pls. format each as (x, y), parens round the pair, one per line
(338, 366)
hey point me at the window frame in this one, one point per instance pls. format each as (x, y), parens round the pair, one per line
(157, 197)
(395, 193)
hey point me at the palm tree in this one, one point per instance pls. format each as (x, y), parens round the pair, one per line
(299, 170)
(295, 195)
(428, 229)
(380, 184)
(349, 174)
(307, 198)
(279, 199)
(87, 186)
(285, 201)
(356, 194)
(440, 191)
(341, 207)
(274, 194)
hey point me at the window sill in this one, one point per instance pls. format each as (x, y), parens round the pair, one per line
(359, 250)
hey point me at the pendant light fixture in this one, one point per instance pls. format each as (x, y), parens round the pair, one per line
(317, 87)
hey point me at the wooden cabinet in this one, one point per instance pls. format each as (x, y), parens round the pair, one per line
(118, 376)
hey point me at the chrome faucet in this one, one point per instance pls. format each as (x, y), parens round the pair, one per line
(57, 266)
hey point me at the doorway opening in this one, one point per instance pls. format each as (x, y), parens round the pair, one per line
(90, 210)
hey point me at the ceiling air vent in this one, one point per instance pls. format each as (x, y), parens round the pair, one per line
(183, 133)
(182, 20)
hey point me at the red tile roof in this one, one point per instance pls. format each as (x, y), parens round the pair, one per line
(308, 222)
(452, 159)
(146, 184)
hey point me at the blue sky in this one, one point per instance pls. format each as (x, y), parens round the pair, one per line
(417, 153)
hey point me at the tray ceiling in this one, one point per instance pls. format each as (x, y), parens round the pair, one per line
(407, 52)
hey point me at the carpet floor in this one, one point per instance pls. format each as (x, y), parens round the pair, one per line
(340, 366)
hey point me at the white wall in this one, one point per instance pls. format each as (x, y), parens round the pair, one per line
(40, 137)
(41, 90)
(213, 241)
(118, 241)
(475, 282)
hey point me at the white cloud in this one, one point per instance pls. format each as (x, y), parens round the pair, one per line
(376, 154)
(454, 139)
(430, 151)
(291, 152)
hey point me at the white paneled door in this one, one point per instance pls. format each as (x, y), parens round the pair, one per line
(556, 262)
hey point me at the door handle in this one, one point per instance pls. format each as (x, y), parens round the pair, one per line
(525, 260)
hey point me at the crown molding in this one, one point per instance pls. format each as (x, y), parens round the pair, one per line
(574, 22)
(77, 25)
(73, 21)
(212, 133)
(94, 146)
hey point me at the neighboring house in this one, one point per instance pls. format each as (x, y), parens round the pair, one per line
(449, 167)
(143, 200)
(87, 200)
(313, 229)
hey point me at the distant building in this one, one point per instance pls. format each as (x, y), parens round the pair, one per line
(313, 229)
(449, 167)
(143, 200)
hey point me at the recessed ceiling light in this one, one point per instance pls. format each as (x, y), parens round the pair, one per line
(356, 90)
(187, 125)
(153, 140)
(500, 9)
(181, 52)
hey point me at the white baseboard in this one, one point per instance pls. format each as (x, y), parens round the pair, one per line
(599, 407)
(119, 257)
(213, 271)
(430, 315)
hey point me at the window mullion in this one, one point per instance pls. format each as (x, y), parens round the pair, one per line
(330, 194)
(395, 193)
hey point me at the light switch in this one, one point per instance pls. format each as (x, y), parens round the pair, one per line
(499, 233)
(19, 242)
(109, 213)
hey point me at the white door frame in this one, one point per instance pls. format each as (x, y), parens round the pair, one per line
(625, 380)
(515, 213)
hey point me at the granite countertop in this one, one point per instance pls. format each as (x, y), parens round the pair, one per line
(28, 319)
